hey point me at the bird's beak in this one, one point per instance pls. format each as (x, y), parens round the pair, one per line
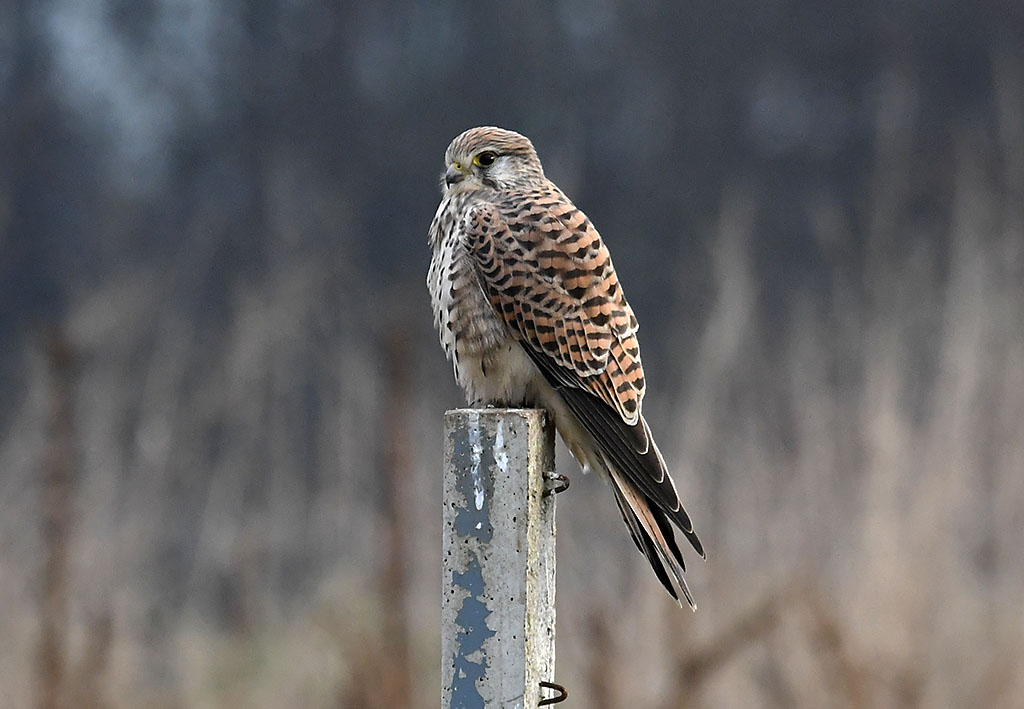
(452, 175)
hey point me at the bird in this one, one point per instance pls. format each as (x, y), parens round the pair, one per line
(531, 313)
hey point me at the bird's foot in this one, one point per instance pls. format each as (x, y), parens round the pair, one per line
(561, 483)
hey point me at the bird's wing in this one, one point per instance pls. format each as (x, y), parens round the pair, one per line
(550, 278)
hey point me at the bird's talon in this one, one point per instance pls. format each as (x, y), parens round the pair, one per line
(561, 483)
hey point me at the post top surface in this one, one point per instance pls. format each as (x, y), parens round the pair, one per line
(493, 413)
(492, 410)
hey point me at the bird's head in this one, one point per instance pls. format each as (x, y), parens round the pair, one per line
(490, 157)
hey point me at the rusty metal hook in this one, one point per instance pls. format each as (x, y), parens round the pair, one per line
(563, 694)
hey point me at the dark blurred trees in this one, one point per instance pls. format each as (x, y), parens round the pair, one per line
(650, 106)
(645, 110)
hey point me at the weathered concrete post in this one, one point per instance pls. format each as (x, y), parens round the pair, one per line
(498, 576)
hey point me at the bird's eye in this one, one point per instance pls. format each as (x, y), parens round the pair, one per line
(485, 159)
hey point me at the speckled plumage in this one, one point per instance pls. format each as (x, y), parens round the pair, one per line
(530, 311)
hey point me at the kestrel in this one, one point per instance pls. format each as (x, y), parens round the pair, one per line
(531, 313)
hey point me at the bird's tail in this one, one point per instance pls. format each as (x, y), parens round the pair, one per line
(652, 533)
(643, 487)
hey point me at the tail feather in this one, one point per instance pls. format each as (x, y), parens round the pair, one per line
(652, 533)
(644, 543)
(620, 443)
(644, 490)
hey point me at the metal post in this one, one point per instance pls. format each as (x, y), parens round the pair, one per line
(498, 585)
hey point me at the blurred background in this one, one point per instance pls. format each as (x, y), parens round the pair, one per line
(221, 396)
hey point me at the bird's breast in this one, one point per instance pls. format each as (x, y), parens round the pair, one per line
(490, 365)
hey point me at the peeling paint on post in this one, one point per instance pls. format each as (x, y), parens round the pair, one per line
(498, 576)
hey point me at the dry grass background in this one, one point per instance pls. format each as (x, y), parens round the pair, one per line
(854, 466)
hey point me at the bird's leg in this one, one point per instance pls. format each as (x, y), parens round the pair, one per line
(561, 483)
